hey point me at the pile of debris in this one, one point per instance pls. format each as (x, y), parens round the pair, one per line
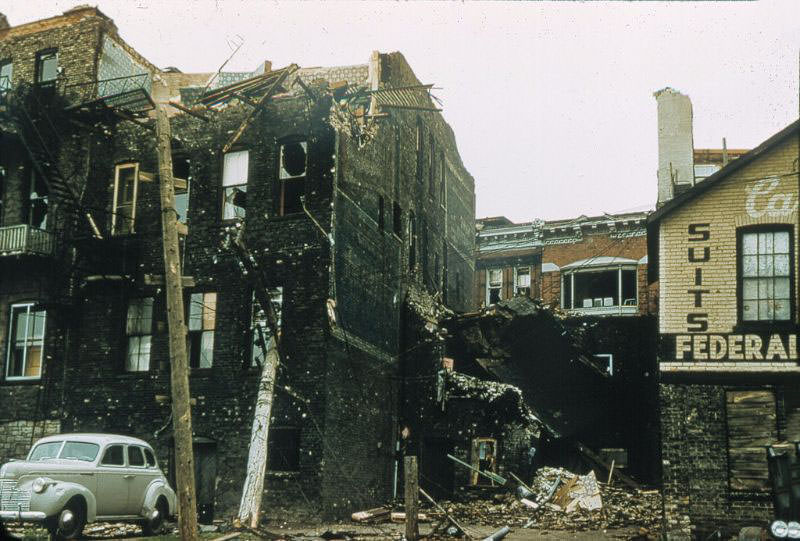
(562, 500)
(559, 500)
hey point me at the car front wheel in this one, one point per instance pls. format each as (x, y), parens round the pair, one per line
(69, 523)
(154, 524)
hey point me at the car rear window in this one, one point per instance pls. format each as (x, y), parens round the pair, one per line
(43, 451)
(113, 456)
(135, 457)
(79, 450)
(151, 460)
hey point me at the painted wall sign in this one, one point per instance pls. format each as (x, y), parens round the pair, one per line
(730, 347)
(764, 199)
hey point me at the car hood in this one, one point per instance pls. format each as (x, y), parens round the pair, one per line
(14, 470)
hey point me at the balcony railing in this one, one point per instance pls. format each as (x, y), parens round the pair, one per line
(24, 239)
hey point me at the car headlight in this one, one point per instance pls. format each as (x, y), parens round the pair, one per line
(39, 485)
(793, 530)
(779, 529)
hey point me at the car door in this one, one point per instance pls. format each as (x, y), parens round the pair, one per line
(141, 477)
(112, 483)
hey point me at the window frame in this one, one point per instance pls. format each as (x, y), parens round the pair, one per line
(517, 287)
(41, 56)
(107, 449)
(129, 335)
(764, 323)
(283, 180)
(489, 286)
(568, 281)
(29, 305)
(233, 186)
(10, 77)
(115, 200)
(190, 333)
(31, 200)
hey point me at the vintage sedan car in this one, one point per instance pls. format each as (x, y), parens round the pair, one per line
(71, 479)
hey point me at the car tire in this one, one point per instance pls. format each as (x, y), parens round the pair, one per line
(155, 526)
(69, 523)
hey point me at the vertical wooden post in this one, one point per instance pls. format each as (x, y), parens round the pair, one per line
(181, 412)
(412, 498)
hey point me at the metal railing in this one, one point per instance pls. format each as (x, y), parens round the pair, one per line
(108, 89)
(24, 239)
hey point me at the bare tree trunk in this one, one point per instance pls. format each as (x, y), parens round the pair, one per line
(250, 506)
(181, 410)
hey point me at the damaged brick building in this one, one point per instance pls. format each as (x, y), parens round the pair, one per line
(724, 251)
(347, 185)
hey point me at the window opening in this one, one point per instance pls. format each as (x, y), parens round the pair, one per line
(181, 173)
(6, 71)
(607, 360)
(113, 456)
(26, 342)
(126, 187)
(602, 288)
(138, 329)
(151, 459)
(494, 286)
(135, 456)
(484, 453)
(283, 449)
(38, 196)
(46, 66)
(397, 219)
(260, 333)
(522, 282)
(293, 164)
(202, 323)
(766, 276)
(234, 184)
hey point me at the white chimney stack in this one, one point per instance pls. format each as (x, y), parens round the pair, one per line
(675, 143)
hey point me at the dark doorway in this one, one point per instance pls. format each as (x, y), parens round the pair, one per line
(205, 477)
(436, 470)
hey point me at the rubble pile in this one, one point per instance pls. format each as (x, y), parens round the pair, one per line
(620, 508)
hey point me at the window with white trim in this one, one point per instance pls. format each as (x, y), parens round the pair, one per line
(139, 330)
(766, 271)
(202, 323)
(494, 286)
(522, 281)
(126, 187)
(6, 71)
(234, 184)
(261, 335)
(46, 66)
(25, 342)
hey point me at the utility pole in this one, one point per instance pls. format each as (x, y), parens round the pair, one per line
(412, 498)
(181, 411)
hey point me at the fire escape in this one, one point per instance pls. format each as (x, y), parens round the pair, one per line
(42, 117)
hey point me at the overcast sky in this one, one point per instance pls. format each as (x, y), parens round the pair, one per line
(551, 103)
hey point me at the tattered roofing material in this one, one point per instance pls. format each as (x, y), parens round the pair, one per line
(250, 89)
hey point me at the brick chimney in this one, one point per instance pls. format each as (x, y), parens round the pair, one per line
(675, 144)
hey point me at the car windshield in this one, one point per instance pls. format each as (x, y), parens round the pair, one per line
(45, 451)
(79, 450)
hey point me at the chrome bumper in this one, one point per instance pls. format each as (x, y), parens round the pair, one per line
(20, 516)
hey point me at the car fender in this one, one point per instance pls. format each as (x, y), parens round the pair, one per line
(156, 489)
(56, 496)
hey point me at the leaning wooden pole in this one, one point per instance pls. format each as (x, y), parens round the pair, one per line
(181, 412)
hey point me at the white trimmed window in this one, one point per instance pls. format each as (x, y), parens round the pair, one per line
(126, 188)
(202, 323)
(234, 184)
(494, 286)
(25, 342)
(139, 330)
(522, 281)
(766, 276)
(261, 336)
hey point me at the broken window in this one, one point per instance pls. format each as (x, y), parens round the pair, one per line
(522, 281)
(259, 329)
(6, 70)
(484, 457)
(38, 195)
(593, 288)
(181, 173)
(202, 322)
(766, 270)
(751, 425)
(139, 330)
(381, 218)
(292, 177)
(26, 342)
(397, 219)
(494, 286)
(412, 241)
(126, 187)
(234, 184)
(283, 449)
(46, 66)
